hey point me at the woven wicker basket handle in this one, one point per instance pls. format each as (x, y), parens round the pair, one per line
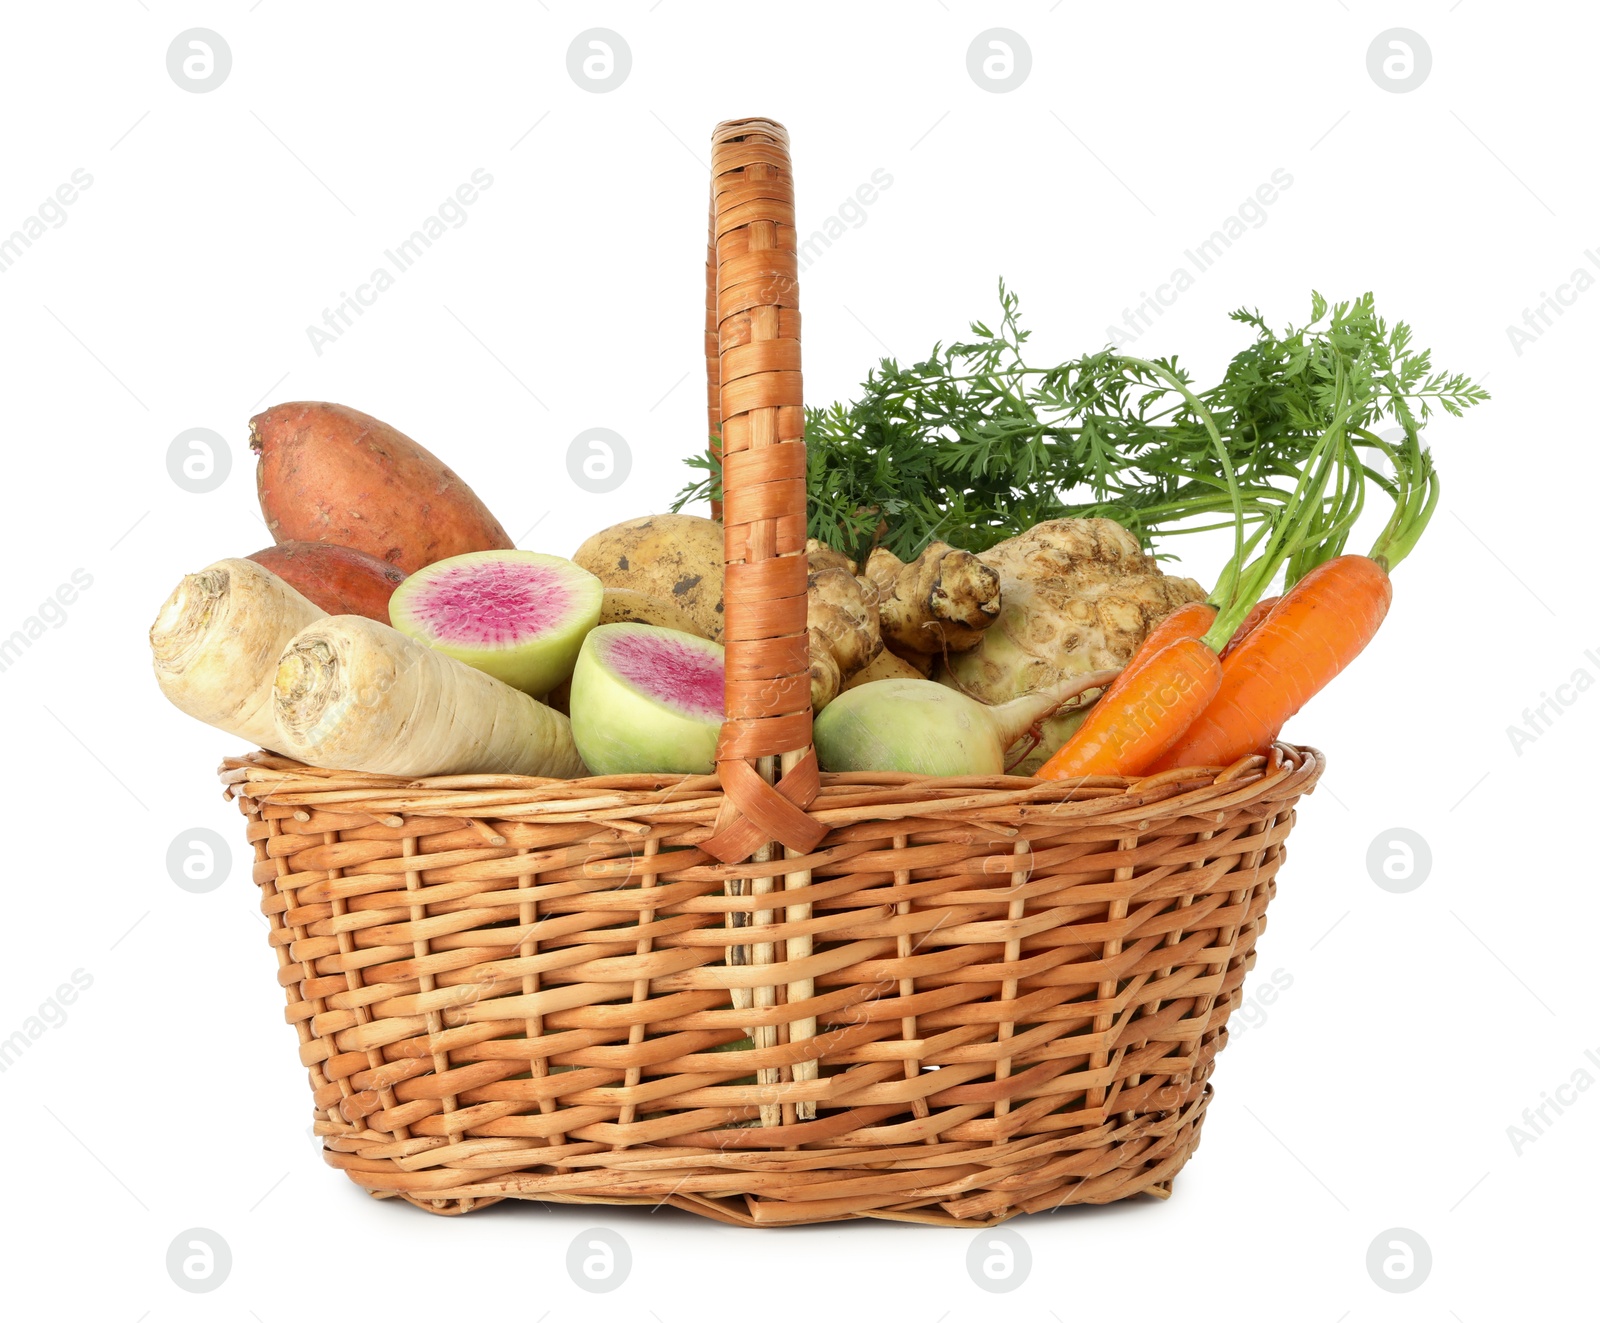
(754, 308)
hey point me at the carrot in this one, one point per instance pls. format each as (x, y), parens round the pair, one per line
(1189, 621)
(1153, 705)
(1259, 612)
(1317, 630)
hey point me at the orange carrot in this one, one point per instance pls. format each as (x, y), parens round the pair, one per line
(1317, 630)
(1154, 703)
(1259, 612)
(1189, 621)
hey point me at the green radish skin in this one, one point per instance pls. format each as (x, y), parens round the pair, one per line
(647, 699)
(928, 729)
(519, 616)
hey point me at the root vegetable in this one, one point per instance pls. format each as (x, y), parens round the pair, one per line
(826, 681)
(1259, 612)
(216, 642)
(820, 556)
(885, 666)
(1154, 701)
(341, 580)
(1076, 595)
(647, 700)
(1317, 629)
(519, 616)
(841, 622)
(353, 694)
(929, 729)
(328, 473)
(627, 606)
(941, 602)
(677, 558)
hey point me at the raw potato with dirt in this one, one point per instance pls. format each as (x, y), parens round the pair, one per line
(677, 560)
(328, 473)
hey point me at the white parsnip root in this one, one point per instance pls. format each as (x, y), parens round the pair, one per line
(216, 643)
(353, 694)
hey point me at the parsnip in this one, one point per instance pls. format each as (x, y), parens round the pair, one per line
(351, 693)
(216, 642)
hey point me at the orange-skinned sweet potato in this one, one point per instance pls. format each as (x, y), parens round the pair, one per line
(341, 580)
(327, 473)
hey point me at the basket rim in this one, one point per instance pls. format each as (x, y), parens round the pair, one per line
(845, 797)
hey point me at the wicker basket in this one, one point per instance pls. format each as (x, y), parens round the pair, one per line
(949, 1001)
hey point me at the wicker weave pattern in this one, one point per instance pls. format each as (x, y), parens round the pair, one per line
(508, 987)
(934, 1000)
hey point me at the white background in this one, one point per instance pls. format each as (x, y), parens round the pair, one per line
(1376, 1091)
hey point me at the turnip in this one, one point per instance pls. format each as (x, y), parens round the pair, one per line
(516, 615)
(216, 641)
(351, 693)
(646, 699)
(929, 729)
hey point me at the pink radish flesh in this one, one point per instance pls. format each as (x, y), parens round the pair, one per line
(683, 677)
(492, 603)
(520, 616)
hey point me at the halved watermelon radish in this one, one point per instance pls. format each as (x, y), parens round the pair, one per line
(521, 616)
(646, 699)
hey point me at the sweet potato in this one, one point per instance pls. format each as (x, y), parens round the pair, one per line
(327, 473)
(341, 580)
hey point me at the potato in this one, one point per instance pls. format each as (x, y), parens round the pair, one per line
(627, 606)
(327, 473)
(341, 580)
(674, 557)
